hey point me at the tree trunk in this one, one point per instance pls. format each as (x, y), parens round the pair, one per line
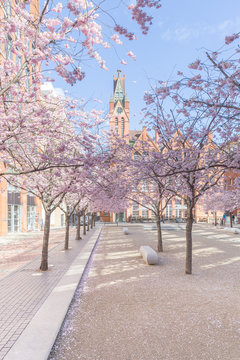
(159, 231)
(67, 219)
(92, 221)
(215, 218)
(188, 267)
(44, 261)
(84, 225)
(78, 233)
(88, 222)
(231, 223)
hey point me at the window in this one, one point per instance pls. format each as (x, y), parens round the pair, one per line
(8, 8)
(178, 213)
(153, 186)
(13, 188)
(116, 125)
(169, 210)
(8, 48)
(31, 217)
(144, 213)
(122, 126)
(136, 156)
(27, 81)
(13, 218)
(144, 186)
(178, 201)
(135, 211)
(18, 58)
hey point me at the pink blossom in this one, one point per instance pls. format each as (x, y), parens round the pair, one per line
(58, 8)
(52, 23)
(131, 54)
(123, 62)
(115, 38)
(230, 39)
(194, 65)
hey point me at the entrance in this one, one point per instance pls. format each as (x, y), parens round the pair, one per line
(31, 217)
(13, 218)
(120, 217)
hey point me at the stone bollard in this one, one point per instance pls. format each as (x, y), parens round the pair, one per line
(149, 255)
(125, 231)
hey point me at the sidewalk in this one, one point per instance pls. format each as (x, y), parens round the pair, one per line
(26, 292)
(17, 249)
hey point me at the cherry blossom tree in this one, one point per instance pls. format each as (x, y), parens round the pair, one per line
(72, 143)
(148, 189)
(59, 35)
(191, 155)
(68, 206)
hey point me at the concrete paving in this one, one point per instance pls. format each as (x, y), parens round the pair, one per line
(33, 304)
(17, 249)
(129, 310)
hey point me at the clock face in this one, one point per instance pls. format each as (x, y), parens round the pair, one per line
(119, 110)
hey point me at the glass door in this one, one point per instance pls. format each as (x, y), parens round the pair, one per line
(13, 218)
(31, 217)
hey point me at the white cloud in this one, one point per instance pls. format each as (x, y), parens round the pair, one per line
(182, 33)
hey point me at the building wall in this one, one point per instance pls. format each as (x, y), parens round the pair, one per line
(7, 205)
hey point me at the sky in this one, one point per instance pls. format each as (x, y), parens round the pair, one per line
(182, 30)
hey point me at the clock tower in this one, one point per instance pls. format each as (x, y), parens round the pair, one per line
(119, 108)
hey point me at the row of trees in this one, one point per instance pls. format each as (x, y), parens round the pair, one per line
(196, 122)
(50, 146)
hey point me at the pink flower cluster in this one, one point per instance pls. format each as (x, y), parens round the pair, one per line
(123, 31)
(131, 54)
(230, 39)
(141, 16)
(194, 65)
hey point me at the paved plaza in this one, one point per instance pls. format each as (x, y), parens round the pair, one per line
(128, 310)
(123, 308)
(17, 249)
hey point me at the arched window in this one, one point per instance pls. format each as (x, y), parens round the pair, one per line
(122, 126)
(136, 156)
(116, 125)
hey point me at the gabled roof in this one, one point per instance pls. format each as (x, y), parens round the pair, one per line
(141, 135)
(134, 134)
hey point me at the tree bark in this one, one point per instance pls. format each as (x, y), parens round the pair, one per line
(188, 267)
(67, 219)
(44, 260)
(92, 221)
(88, 222)
(159, 231)
(231, 223)
(78, 232)
(215, 218)
(84, 225)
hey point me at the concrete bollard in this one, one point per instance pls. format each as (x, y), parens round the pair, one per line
(125, 231)
(149, 255)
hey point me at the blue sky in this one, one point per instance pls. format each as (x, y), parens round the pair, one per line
(181, 31)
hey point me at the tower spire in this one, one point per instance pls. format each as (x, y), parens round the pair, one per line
(119, 73)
